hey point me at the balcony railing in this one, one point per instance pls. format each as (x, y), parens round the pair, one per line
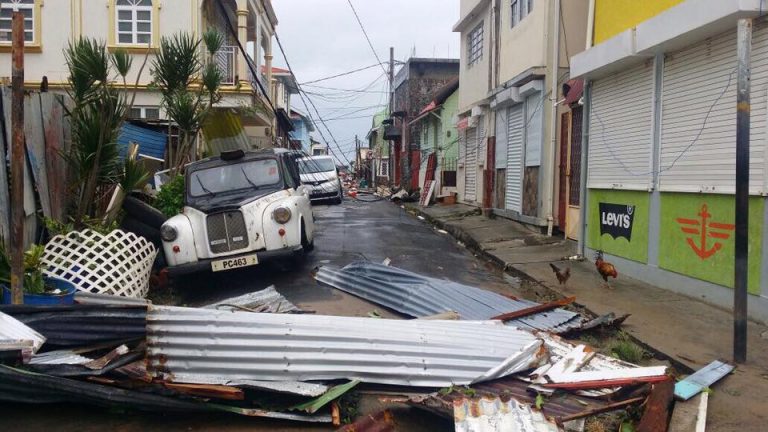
(226, 61)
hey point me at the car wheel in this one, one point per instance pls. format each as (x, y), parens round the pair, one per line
(338, 200)
(306, 244)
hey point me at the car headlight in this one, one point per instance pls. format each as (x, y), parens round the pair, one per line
(168, 233)
(281, 215)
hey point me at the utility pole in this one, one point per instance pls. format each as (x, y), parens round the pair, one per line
(357, 157)
(17, 159)
(741, 268)
(390, 170)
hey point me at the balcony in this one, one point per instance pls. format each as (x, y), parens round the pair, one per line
(226, 60)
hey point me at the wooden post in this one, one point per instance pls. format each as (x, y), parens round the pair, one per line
(741, 268)
(17, 160)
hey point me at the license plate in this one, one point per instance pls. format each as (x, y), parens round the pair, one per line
(232, 263)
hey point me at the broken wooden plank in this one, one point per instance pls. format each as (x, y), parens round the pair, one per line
(657, 407)
(701, 379)
(35, 146)
(534, 309)
(207, 390)
(598, 384)
(571, 362)
(55, 165)
(609, 374)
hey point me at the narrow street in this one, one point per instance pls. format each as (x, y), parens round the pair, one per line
(352, 231)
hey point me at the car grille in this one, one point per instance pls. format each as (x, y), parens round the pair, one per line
(226, 231)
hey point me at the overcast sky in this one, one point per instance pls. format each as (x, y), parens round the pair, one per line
(322, 38)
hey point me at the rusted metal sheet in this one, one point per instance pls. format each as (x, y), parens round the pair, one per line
(493, 414)
(657, 407)
(416, 296)
(5, 204)
(203, 345)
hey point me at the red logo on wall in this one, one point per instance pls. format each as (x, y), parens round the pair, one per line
(704, 229)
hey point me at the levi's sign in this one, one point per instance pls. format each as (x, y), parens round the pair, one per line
(616, 220)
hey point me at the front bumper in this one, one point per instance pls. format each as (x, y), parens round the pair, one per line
(204, 265)
(320, 196)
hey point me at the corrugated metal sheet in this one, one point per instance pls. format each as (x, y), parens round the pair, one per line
(151, 143)
(200, 345)
(266, 300)
(620, 130)
(89, 298)
(58, 358)
(13, 330)
(514, 188)
(493, 414)
(83, 325)
(416, 296)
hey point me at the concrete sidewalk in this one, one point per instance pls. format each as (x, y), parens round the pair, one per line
(688, 330)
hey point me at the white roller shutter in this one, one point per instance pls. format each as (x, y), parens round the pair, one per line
(620, 130)
(482, 144)
(698, 140)
(534, 112)
(470, 166)
(514, 195)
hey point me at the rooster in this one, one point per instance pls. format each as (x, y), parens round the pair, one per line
(605, 268)
(562, 275)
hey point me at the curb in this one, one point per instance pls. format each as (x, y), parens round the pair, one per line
(474, 247)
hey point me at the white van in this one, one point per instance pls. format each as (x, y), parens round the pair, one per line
(320, 177)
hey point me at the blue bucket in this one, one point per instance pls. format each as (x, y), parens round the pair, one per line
(67, 297)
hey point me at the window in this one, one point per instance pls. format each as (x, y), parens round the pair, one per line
(134, 22)
(7, 7)
(514, 17)
(145, 113)
(519, 10)
(475, 45)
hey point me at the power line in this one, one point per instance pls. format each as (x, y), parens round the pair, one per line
(365, 33)
(302, 95)
(347, 90)
(339, 75)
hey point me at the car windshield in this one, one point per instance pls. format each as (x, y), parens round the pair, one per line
(313, 165)
(227, 178)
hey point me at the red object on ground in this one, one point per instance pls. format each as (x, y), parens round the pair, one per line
(584, 385)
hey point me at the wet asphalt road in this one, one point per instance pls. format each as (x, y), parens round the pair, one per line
(352, 231)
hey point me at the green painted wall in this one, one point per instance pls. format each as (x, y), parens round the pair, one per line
(637, 248)
(449, 138)
(683, 252)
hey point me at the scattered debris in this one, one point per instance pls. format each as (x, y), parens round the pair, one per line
(657, 407)
(442, 231)
(16, 336)
(690, 415)
(450, 315)
(701, 379)
(382, 421)
(267, 300)
(387, 261)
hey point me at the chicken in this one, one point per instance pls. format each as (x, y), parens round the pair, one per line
(562, 275)
(605, 268)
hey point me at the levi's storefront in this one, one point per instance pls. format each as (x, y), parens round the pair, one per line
(661, 170)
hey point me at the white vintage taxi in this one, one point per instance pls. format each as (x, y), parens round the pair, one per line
(241, 208)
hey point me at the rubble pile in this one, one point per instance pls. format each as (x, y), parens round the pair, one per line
(259, 355)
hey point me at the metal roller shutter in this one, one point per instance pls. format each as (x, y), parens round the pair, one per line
(514, 194)
(534, 112)
(620, 125)
(501, 139)
(698, 146)
(470, 166)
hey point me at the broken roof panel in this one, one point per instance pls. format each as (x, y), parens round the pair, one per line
(12, 331)
(203, 345)
(266, 300)
(493, 414)
(416, 296)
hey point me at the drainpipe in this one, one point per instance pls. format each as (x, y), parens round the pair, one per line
(583, 204)
(549, 156)
(590, 24)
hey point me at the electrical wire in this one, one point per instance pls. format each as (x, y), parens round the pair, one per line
(365, 33)
(339, 75)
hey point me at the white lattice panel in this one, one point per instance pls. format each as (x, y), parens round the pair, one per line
(118, 263)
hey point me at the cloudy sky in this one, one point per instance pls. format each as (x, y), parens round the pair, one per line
(322, 38)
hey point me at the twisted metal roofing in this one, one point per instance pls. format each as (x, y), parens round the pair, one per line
(416, 296)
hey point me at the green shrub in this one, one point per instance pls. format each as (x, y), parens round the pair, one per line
(170, 199)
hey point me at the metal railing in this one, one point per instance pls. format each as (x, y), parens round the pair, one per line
(226, 60)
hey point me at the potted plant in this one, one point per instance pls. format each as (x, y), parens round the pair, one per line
(38, 288)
